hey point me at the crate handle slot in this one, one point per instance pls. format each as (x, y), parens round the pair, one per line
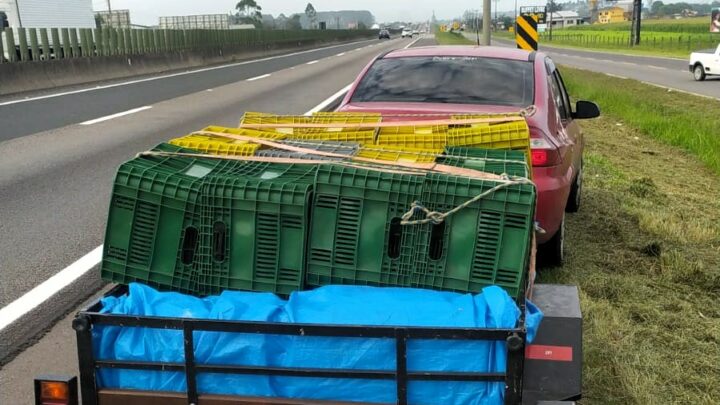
(219, 232)
(395, 238)
(436, 241)
(189, 245)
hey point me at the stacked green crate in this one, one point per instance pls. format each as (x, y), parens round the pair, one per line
(152, 233)
(486, 243)
(355, 235)
(254, 228)
(498, 161)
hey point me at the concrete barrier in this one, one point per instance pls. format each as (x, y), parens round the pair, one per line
(31, 76)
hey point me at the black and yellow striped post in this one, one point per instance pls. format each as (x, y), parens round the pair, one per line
(526, 35)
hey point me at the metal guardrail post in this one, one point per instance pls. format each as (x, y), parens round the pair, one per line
(56, 47)
(22, 43)
(72, 32)
(65, 33)
(45, 43)
(32, 33)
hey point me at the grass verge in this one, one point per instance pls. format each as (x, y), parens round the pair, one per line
(645, 250)
(452, 38)
(678, 119)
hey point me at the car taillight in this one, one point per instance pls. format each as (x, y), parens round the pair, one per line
(542, 152)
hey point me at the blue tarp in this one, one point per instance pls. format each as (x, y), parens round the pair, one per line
(337, 305)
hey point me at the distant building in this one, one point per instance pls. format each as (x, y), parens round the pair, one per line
(48, 13)
(612, 14)
(564, 19)
(193, 22)
(114, 19)
(344, 19)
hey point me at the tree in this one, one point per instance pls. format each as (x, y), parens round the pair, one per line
(311, 14)
(293, 23)
(656, 7)
(250, 12)
(552, 6)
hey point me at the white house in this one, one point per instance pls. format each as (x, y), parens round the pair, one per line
(564, 19)
(48, 13)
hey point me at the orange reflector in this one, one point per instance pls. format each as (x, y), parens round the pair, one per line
(54, 390)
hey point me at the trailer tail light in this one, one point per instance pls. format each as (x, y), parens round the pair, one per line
(52, 390)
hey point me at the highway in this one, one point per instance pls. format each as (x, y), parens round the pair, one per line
(57, 172)
(664, 72)
(61, 150)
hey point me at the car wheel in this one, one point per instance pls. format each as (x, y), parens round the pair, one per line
(699, 73)
(573, 203)
(552, 252)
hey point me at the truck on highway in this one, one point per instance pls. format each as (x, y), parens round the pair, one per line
(705, 63)
(543, 369)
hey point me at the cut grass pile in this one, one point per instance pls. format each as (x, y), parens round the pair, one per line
(645, 247)
(452, 38)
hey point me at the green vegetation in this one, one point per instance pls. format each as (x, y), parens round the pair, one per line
(661, 37)
(452, 38)
(645, 247)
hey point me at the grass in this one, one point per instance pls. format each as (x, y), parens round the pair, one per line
(676, 38)
(689, 122)
(645, 247)
(452, 38)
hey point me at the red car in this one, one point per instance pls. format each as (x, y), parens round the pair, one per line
(464, 79)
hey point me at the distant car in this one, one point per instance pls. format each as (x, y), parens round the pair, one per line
(705, 63)
(406, 34)
(450, 80)
(416, 32)
(384, 34)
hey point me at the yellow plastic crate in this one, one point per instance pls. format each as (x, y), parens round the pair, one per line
(339, 118)
(218, 145)
(361, 137)
(400, 154)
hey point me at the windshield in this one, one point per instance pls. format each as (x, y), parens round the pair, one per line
(448, 79)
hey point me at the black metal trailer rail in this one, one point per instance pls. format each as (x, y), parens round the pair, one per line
(87, 319)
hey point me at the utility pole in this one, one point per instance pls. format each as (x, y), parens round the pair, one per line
(496, 20)
(110, 16)
(477, 26)
(486, 22)
(636, 18)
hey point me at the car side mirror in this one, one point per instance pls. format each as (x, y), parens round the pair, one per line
(585, 110)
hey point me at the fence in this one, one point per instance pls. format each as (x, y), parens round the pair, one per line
(31, 44)
(663, 41)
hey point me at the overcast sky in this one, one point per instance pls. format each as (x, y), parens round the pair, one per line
(146, 12)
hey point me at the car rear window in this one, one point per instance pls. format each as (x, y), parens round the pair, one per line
(448, 79)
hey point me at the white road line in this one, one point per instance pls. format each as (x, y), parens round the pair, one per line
(616, 76)
(190, 72)
(252, 79)
(113, 116)
(33, 298)
(38, 295)
(679, 91)
(312, 62)
(329, 100)
(656, 67)
(412, 43)
(341, 54)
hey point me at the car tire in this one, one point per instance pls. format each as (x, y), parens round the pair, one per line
(552, 252)
(573, 203)
(698, 72)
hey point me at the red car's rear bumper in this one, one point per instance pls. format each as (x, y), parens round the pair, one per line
(553, 188)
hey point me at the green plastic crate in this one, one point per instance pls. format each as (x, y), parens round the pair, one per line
(487, 243)
(254, 229)
(355, 235)
(487, 160)
(152, 233)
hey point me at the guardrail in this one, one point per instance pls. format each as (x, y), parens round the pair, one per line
(42, 44)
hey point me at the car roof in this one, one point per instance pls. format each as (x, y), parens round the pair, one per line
(461, 50)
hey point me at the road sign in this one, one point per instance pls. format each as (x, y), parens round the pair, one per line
(540, 13)
(526, 36)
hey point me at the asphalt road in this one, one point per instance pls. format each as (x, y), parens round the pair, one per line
(56, 182)
(56, 175)
(664, 72)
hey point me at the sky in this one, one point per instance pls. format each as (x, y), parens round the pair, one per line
(146, 12)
